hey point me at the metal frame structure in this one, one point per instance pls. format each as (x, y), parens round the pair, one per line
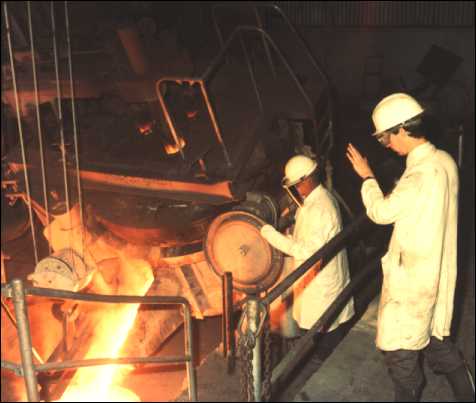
(28, 369)
(269, 7)
(205, 77)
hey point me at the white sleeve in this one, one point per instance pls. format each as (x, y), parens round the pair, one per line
(276, 239)
(318, 232)
(388, 209)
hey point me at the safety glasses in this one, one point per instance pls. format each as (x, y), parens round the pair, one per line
(383, 138)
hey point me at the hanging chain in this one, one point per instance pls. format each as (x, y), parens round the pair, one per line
(267, 361)
(247, 342)
(246, 345)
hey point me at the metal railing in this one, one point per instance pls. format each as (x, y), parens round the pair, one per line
(28, 369)
(267, 8)
(203, 80)
(256, 309)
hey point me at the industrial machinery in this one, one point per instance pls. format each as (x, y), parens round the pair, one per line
(165, 157)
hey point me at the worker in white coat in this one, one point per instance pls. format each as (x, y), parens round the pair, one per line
(419, 268)
(317, 221)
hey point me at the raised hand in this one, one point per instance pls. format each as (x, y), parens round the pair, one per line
(359, 163)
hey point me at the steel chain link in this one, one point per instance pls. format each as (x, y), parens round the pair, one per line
(267, 362)
(246, 346)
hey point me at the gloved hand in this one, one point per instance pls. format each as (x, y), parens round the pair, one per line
(267, 231)
(276, 239)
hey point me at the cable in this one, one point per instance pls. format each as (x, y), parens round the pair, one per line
(20, 130)
(40, 135)
(75, 130)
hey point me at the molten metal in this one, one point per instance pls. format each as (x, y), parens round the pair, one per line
(102, 384)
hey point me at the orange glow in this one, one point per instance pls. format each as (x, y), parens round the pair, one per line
(173, 148)
(192, 114)
(101, 383)
(145, 129)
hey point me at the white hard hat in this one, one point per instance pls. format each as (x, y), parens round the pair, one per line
(297, 169)
(393, 110)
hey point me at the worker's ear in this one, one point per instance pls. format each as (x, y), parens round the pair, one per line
(402, 132)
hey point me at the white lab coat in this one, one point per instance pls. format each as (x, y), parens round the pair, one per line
(317, 222)
(420, 266)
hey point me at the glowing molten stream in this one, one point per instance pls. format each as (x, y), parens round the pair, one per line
(101, 383)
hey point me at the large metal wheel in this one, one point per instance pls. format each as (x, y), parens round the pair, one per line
(234, 244)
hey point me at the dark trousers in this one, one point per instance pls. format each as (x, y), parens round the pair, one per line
(405, 370)
(324, 344)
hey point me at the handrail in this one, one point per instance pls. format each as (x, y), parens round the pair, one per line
(276, 8)
(317, 66)
(323, 255)
(17, 291)
(318, 260)
(243, 28)
(304, 344)
(208, 73)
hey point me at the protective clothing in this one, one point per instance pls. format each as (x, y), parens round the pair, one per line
(420, 265)
(393, 110)
(317, 221)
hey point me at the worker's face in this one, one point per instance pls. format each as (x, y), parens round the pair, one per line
(301, 190)
(305, 187)
(398, 142)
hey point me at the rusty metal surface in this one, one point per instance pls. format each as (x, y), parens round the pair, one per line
(164, 235)
(234, 244)
(221, 189)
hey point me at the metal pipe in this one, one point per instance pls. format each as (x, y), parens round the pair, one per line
(252, 316)
(60, 366)
(299, 38)
(314, 62)
(286, 20)
(214, 121)
(113, 299)
(252, 75)
(224, 317)
(192, 382)
(217, 28)
(324, 254)
(75, 128)
(168, 118)
(227, 322)
(191, 81)
(14, 322)
(218, 31)
(60, 116)
(24, 337)
(11, 366)
(265, 44)
(38, 120)
(20, 129)
(218, 59)
(18, 292)
(305, 343)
